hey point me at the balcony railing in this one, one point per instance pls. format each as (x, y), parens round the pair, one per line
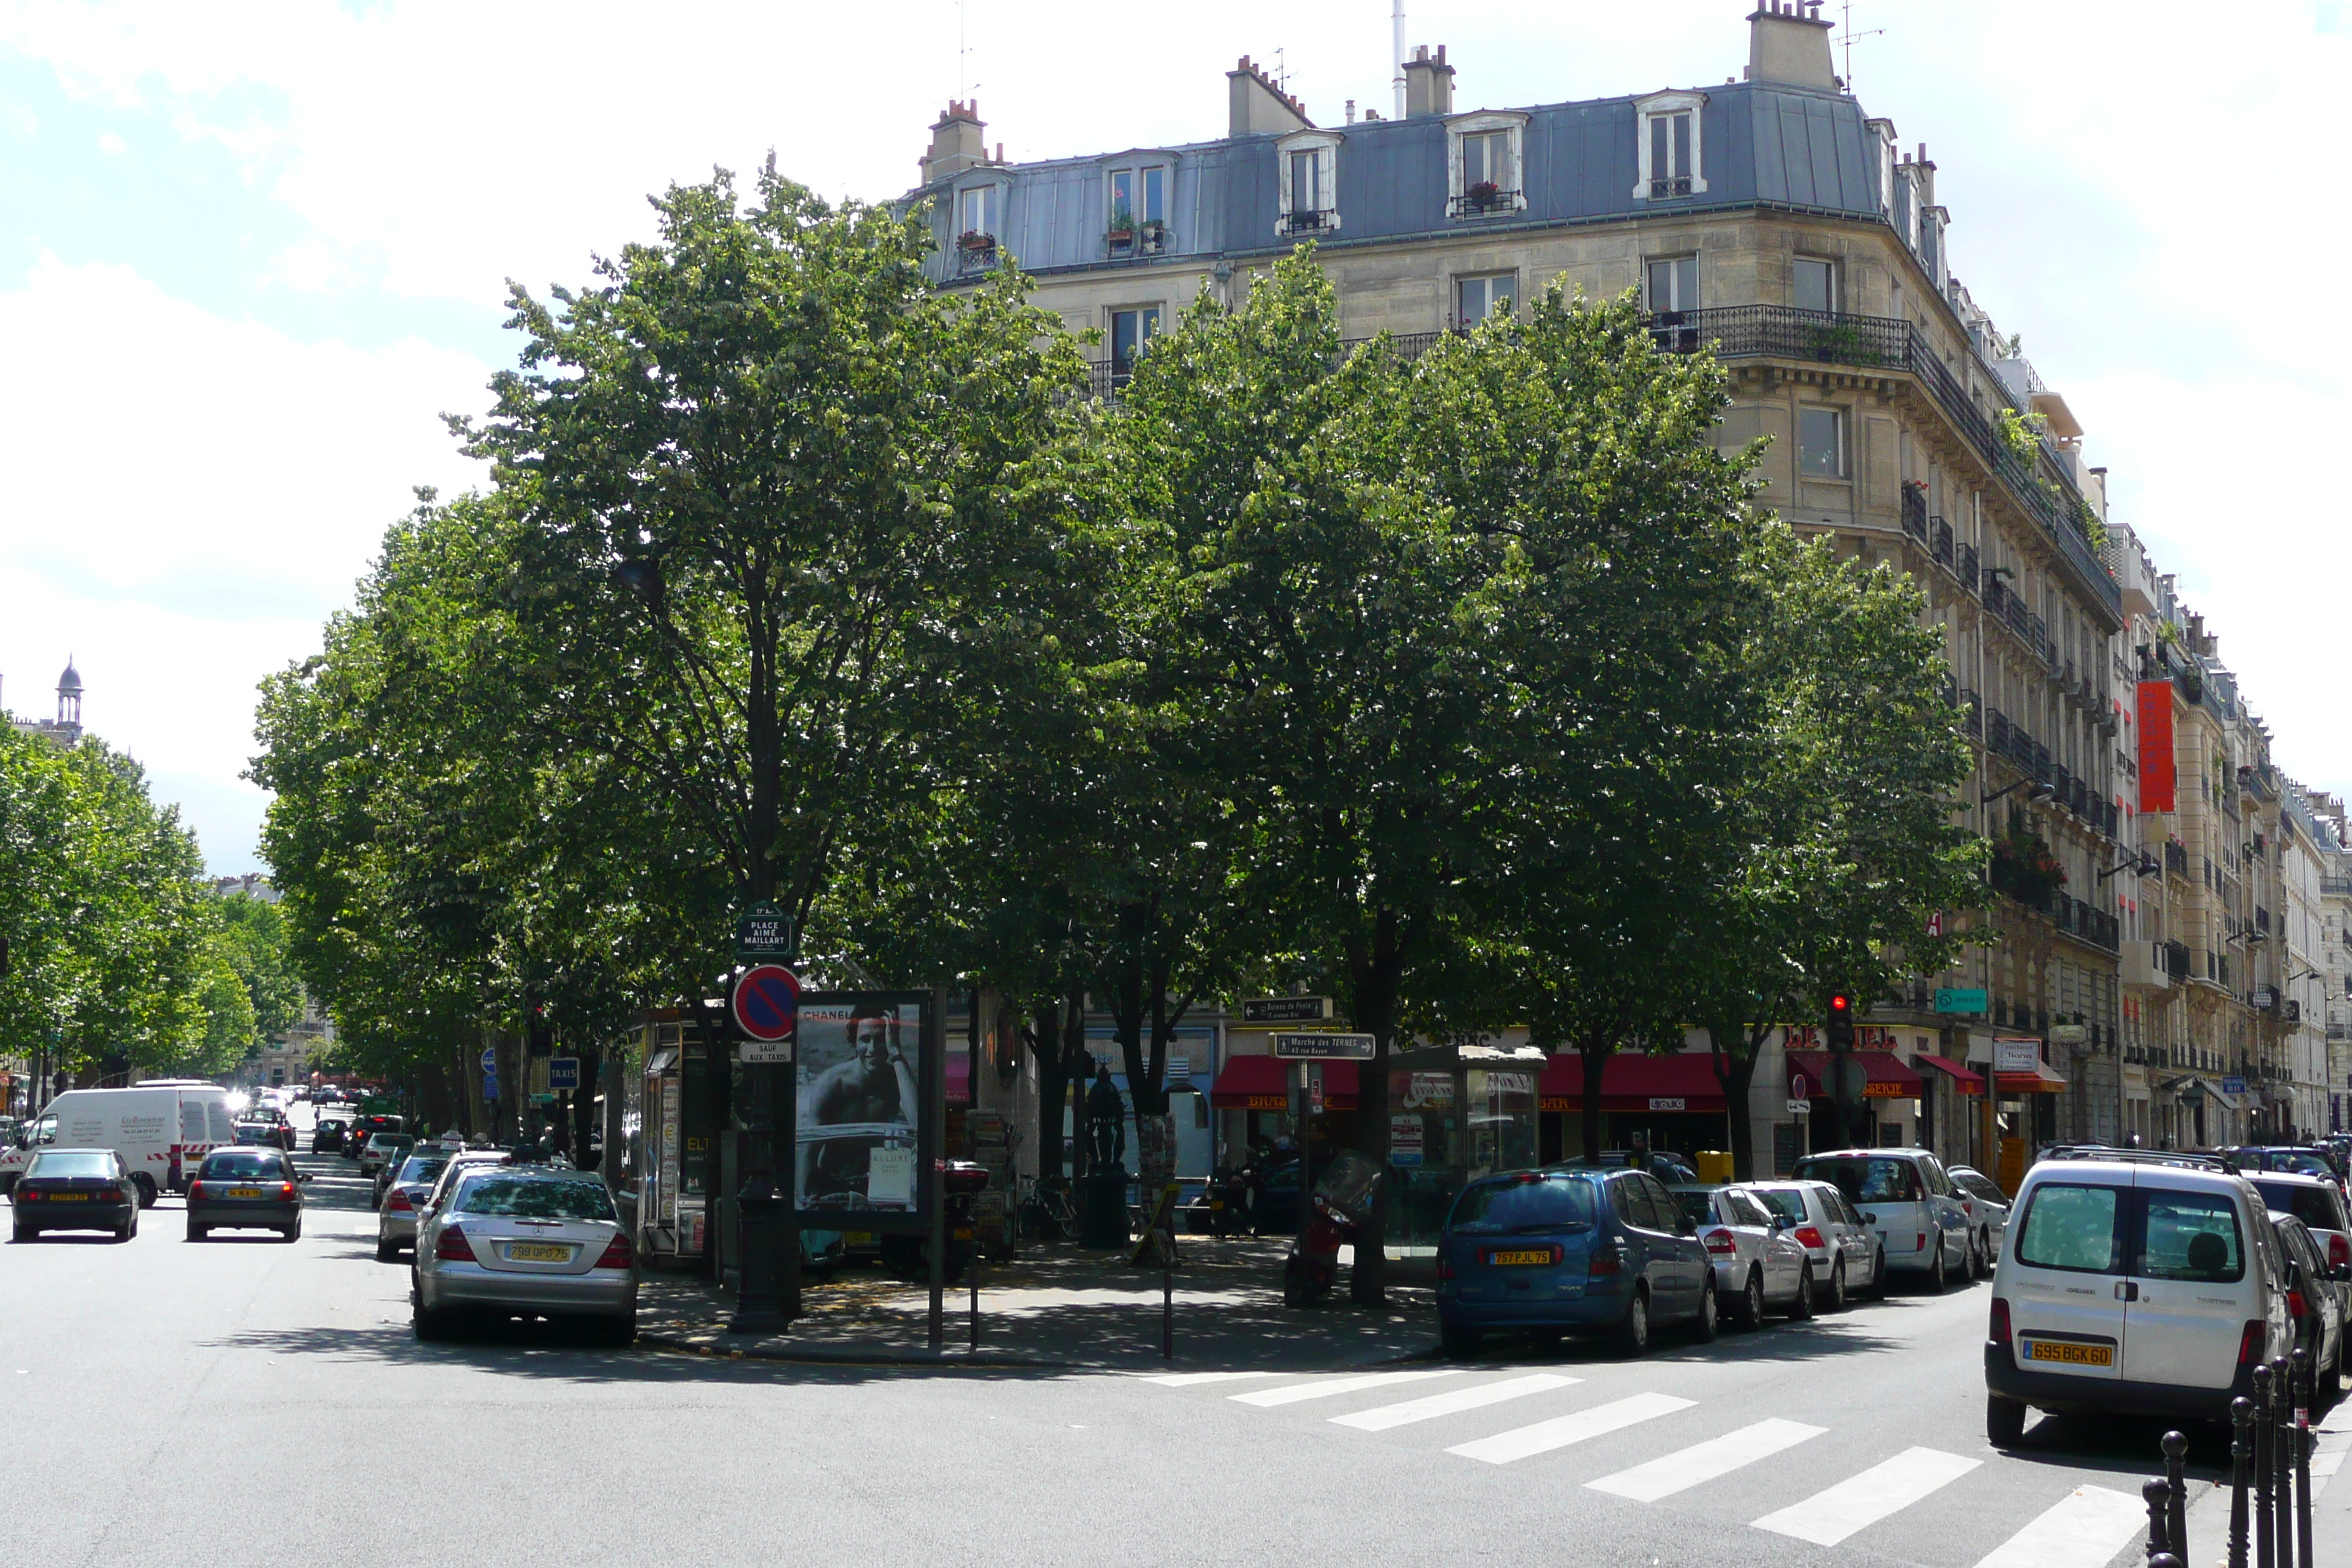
(1939, 543)
(1315, 220)
(1886, 342)
(2175, 859)
(1483, 201)
(1915, 511)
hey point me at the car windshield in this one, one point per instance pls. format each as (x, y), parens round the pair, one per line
(2297, 1162)
(72, 1163)
(1492, 1208)
(534, 1197)
(1866, 1180)
(1697, 1206)
(1787, 1202)
(2316, 1206)
(422, 1167)
(222, 1167)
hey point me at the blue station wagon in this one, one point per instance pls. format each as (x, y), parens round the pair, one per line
(1570, 1251)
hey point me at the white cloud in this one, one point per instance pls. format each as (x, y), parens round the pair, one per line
(112, 144)
(184, 500)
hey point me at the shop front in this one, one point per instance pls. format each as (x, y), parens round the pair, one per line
(1670, 1102)
(1255, 1099)
(1886, 1111)
(1950, 1122)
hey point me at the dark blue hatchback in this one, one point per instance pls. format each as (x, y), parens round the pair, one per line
(1570, 1251)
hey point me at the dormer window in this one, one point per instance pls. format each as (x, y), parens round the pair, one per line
(1484, 173)
(1307, 191)
(1137, 223)
(977, 210)
(1668, 147)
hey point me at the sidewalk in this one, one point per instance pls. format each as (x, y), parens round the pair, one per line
(2331, 1505)
(1058, 1306)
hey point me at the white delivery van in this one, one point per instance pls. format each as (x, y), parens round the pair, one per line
(163, 1129)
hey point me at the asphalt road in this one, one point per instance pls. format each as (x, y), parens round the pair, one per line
(249, 1399)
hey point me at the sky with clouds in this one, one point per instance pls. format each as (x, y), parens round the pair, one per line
(250, 252)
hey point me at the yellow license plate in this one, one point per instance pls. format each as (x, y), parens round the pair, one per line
(245, 1192)
(2069, 1354)
(857, 1238)
(69, 1197)
(1542, 1255)
(529, 1252)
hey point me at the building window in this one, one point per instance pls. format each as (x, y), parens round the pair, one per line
(1307, 182)
(1475, 298)
(1130, 329)
(1821, 443)
(1813, 285)
(1671, 282)
(1138, 219)
(976, 218)
(1669, 127)
(1483, 178)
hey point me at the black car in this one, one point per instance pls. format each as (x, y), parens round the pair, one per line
(246, 1189)
(329, 1134)
(75, 1189)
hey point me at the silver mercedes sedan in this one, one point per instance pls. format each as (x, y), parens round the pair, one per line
(526, 1241)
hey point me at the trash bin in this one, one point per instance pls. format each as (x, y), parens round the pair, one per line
(1714, 1165)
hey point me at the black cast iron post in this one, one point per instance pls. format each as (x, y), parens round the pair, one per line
(2283, 1458)
(2157, 1493)
(2302, 1379)
(2241, 1453)
(2263, 1431)
(2176, 1484)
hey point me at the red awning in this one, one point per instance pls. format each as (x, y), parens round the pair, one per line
(2040, 1080)
(959, 1078)
(1630, 1082)
(1885, 1075)
(1966, 1080)
(1262, 1083)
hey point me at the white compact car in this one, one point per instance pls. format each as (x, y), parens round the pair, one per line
(2133, 1283)
(1756, 1265)
(1910, 1200)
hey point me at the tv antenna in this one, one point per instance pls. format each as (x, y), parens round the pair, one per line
(1845, 41)
(964, 54)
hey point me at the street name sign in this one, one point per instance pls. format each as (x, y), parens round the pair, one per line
(2233, 1086)
(1286, 1010)
(1324, 1048)
(764, 931)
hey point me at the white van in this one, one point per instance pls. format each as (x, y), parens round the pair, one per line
(163, 1129)
(2132, 1282)
(1910, 1200)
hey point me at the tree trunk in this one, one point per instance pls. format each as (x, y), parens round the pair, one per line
(1593, 1053)
(1046, 1044)
(1734, 1070)
(1375, 976)
(583, 1104)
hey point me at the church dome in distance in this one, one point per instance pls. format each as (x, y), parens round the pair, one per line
(70, 680)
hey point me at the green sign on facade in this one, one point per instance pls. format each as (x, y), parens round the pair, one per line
(1951, 999)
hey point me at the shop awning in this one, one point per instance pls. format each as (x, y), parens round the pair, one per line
(959, 1078)
(1884, 1075)
(1966, 1080)
(1685, 1082)
(2040, 1080)
(1262, 1083)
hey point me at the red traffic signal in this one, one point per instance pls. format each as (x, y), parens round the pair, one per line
(1841, 1005)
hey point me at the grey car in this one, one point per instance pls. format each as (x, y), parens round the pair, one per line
(246, 1188)
(1757, 1266)
(1987, 1211)
(526, 1241)
(406, 1191)
(1843, 1248)
(2315, 1300)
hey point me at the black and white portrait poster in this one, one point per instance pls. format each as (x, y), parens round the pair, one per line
(858, 1072)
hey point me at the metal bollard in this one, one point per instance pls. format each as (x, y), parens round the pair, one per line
(2262, 1425)
(2175, 1485)
(2283, 1458)
(2157, 1493)
(974, 1267)
(2303, 1441)
(2164, 1560)
(1168, 1295)
(2241, 1456)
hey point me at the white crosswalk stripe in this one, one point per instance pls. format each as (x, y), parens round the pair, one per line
(1561, 1430)
(2085, 1530)
(1828, 1517)
(1452, 1402)
(1324, 1388)
(1706, 1461)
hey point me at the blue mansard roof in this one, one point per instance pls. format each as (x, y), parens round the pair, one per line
(1770, 143)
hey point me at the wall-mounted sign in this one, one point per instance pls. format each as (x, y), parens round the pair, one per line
(1324, 1048)
(1665, 1102)
(1405, 1141)
(2158, 781)
(2016, 1054)
(2233, 1085)
(1959, 999)
(764, 931)
(2068, 1034)
(1286, 1010)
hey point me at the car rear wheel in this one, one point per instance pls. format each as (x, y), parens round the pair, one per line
(1708, 1321)
(1632, 1334)
(1879, 1275)
(147, 1192)
(1459, 1344)
(1837, 1286)
(1936, 1270)
(198, 1232)
(129, 1227)
(24, 1233)
(1751, 1301)
(430, 1325)
(387, 1251)
(2004, 1421)
(291, 1232)
(1801, 1309)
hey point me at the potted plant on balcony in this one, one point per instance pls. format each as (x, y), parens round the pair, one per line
(2022, 866)
(973, 244)
(1483, 196)
(1122, 229)
(1839, 344)
(1150, 236)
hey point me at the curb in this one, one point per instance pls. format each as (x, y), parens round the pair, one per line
(821, 1355)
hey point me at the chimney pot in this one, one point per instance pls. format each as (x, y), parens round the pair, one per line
(1428, 84)
(1788, 45)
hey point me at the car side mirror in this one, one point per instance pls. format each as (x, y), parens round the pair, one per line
(301, 1175)
(1868, 1218)
(1688, 1227)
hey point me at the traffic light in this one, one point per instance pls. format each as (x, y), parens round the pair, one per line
(1841, 1021)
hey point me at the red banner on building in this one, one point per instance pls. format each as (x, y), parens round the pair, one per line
(2156, 777)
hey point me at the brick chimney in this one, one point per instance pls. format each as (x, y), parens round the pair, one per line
(1258, 108)
(1789, 43)
(957, 141)
(1428, 83)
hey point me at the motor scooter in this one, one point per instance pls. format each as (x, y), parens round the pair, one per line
(1339, 1214)
(1229, 1197)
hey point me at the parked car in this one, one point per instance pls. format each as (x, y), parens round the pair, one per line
(1664, 1164)
(1757, 1267)
(1906, 1198)
(529, 1240)
(247, 1189)
(1570, 1251)
(2288, 1159)
(2319, 1204)
(75, 1189)
(2133, 1283)
(365, 1127)
(403, 1194)
(1839, 1242)
(1988, 1212)
(2314, 1300)
(381, 1149)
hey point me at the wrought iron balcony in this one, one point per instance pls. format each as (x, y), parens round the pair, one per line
(1914, 510)
(1484, 200)
(1318, 220)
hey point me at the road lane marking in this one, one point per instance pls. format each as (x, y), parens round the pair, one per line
(1186, 1379)
(1331, 1386)
(1561, 1430)
(1453, 1401)
(1828, 1517)
(1706, 1461)
(2086, 1529)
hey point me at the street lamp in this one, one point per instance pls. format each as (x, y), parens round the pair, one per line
(2035, 790)
(2140, 863)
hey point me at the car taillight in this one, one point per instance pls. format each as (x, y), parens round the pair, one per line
(1606, 1261)
(1810, 1236)
(1721, 1241)
(453, 1246)
(2339, 1249)
(284, 1189)
(27, 1194)
(1919, 1243)
(396, 1201)
(1445, 1270)
(2295, 1304)
(196, 1191)
(2252, 1343)
(1997, 1329)
(617, 1252)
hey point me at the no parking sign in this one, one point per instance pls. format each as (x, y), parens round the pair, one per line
(766, 1007)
